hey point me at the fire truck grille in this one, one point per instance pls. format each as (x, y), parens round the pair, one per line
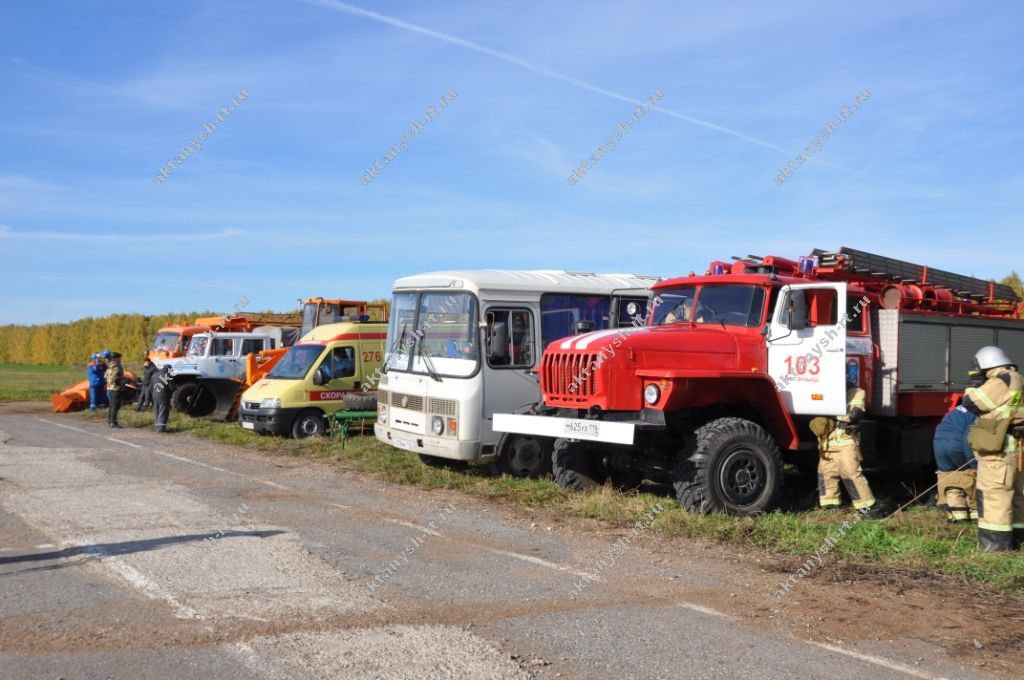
(442, 407)
(568, 376)
(409, 401)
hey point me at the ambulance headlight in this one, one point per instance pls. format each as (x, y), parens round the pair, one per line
(382, 414)
(270, 402)
(437, 425)
(652, 394)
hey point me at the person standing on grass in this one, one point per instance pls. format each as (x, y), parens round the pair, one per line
(101, 391)
(94, 372)
(146, 385)
(115, 381)
(161, 387)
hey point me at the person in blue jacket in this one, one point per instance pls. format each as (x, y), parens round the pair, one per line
(957, 467)
(94, 371)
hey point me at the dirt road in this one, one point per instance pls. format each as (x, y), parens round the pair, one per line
(126, 554)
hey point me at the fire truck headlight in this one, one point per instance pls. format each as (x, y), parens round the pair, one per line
(437, 425)
(382, 414)
(652, 394)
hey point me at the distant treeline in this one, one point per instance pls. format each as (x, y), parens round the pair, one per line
(71, 343)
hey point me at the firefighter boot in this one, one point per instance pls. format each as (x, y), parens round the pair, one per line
(954, 488)
(1018, 539)
(994, 541)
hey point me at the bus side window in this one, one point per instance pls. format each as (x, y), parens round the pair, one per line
(510, 338)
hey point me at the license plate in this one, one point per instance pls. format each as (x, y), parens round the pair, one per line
(573, 429)
(404, 444)
(249, 426)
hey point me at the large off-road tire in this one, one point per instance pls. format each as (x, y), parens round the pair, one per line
(360, 401)
(191, 399)
(728, 465)
(524, 455)
(577, 465)
(308, 423)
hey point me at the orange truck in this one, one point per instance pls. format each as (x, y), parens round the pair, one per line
(172, 340)
(212, 363)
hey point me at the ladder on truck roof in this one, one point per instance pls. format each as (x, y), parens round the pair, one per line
(868, 265)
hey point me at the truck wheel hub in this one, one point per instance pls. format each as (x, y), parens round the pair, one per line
(742, 477)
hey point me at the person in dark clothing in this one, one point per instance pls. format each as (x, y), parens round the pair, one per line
(162, 386)
(146, 387)
(115, 382)
(956, 465)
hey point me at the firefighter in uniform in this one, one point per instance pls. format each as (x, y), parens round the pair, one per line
(839, 446)
(996, 440)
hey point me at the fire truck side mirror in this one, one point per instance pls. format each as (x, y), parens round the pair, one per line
(584, 327)
(796, 310)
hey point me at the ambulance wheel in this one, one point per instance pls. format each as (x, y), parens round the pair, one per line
(523, 455)
(355, 401)
(728, 465)
(577, 465)
(308, 423)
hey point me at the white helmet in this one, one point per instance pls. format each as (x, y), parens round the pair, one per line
(992, 357)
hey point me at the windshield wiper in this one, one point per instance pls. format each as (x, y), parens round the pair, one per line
(422, 351)
(719, 318)
(394, 348)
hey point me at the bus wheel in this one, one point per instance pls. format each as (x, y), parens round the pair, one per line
(524, 455)
(729, 465)
(577, 465)
(309, 423)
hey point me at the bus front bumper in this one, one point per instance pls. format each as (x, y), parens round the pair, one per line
(429, 445)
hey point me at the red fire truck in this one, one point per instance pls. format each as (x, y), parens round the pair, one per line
(715, 391)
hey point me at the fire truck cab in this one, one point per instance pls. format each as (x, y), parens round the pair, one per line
(717, 389)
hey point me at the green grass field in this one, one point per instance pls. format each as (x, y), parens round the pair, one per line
(35, 383)
(918, 538)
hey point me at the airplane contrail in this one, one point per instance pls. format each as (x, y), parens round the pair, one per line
(545, 71)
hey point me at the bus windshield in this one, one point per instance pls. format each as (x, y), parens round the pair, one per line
(433, 332)
(295, 364)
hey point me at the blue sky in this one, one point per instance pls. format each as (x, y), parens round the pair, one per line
(96, 97)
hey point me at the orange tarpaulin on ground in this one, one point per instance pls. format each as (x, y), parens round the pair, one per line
(76, 397)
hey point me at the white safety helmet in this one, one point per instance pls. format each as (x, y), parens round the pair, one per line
(992, 357)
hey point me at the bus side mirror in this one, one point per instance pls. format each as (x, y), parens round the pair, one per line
(797, 310)
(497, 341)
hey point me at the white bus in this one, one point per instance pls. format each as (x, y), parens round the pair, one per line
(464, 345)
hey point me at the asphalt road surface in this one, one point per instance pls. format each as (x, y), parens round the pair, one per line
(126, 554)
